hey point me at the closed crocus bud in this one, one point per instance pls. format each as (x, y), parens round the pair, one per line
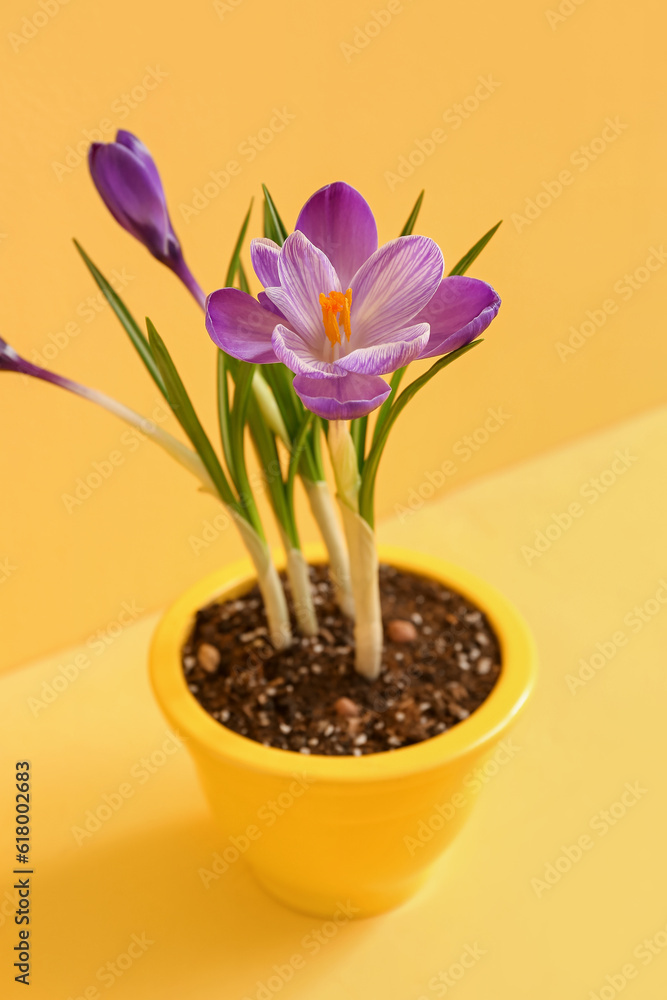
(128, 181)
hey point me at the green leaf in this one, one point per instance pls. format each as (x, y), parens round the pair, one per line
(243, 279)
(129, 324)
(367, 491)
(267, 453)
(394, 382)
(358, 430)
(474, 252)
(224, 415)
(184, 412)
(412, 218)
(235, 262)
(295, 458)
(242, 394)
(278, 231)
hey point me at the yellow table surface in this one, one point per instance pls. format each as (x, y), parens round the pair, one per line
(582, 748)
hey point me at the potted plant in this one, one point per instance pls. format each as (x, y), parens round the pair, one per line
(336, 701)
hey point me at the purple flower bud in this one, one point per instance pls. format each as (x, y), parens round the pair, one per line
(128, 181)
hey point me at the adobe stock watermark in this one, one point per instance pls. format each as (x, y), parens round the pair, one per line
(363, 35)
(31, 26)
(581, 158)
(472, 783)
(98, 642)
(464, 449)
(103, 469)
(213, 528)
(635, 621)
(645, 952)
(562, 13)
(224, 7)
(625, 288)
(453, 117)
(446, 979)
(246, 151)
(267, 816)
(121, 108)
(600, 824)
(139, 774)
(7, 569)
(591, 491)
(107, 975)
(312, 944)
(87, 310)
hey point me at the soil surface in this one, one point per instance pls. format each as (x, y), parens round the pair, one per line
(441, 660)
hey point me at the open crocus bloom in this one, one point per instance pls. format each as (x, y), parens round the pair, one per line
(339, 312)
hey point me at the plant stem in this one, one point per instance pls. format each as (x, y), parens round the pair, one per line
(362, 553)
(185, 456)
(300, 585)
(321, 505)
(269, 582)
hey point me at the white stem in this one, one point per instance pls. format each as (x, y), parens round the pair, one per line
(269, 407)
(300, 585)
(185, 456)
(364, 570)
(269, 583)
(322, 507)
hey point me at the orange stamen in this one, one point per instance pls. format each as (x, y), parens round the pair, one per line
(333, 304)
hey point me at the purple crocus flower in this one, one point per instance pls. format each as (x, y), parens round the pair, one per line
(128, 181)
(340, 313)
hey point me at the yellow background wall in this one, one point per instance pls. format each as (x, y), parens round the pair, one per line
(359, 104)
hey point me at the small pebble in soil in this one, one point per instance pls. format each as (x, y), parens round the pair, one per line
(440, 661)
(346, 707)
(208, 658)
(401, 631)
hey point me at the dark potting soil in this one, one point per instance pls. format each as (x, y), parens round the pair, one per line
(441, 660)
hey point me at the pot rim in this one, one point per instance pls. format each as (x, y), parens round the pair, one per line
(503, 704)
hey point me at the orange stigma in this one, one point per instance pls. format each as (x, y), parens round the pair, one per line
(333, 304)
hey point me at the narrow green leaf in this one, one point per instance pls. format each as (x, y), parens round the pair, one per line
(243, 279)
(295, 458)
(242, 394)
(224, 415)
(358, 430)
(129, 324)
(462, 266)
(236, 255)
(394, 382)
(267, 453)
(367, 491)
(280, 383)
(412, 218)
(315, 437)
(184, 412)
(276, 223)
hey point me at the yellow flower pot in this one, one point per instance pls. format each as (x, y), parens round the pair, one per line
(362, 833)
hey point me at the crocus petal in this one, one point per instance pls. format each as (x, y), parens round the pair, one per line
(298, 355)
(305, 272)
(341, 398)
(11, 361)
(339, 221)
(393, 286)
(131, 195)
(264, 256)
(266, 303)
(237, 323)
(142, 153)
(380, 359)
(460, 310)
